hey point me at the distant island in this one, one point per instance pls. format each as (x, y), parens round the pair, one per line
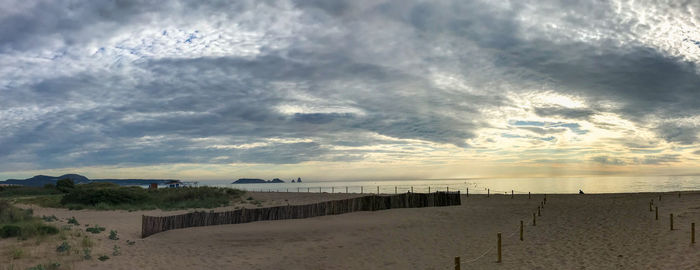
(256, 181)
(41, 180)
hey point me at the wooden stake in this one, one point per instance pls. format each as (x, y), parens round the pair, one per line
(528, 195)
(534, 220)
(545, 199)
(499, 247)
(319, 189)
(489, 193)
(650, 203)
(692, 233)
(467, 192)
(377, 189)
(679, 194)
(672, 222)
(308, 190)
(396, 190)
(657, 212)
(411, 189)
(448, 189)
(521, 230)
(428, 189)
(332, 189)
(457, 263)
(511, 193)
(346, 190)
(538, 212)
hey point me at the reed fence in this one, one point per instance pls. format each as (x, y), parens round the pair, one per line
(151, 225)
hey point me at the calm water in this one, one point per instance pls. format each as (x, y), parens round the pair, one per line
(480, 186)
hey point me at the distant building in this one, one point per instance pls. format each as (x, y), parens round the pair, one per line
(174, 184)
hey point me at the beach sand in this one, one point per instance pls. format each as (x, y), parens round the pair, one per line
(592, 231)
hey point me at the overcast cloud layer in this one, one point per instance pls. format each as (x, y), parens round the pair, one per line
(593, 85)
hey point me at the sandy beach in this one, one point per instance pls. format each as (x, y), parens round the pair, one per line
(592, 231)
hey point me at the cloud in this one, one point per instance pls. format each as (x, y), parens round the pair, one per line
(605, 160)
(131, 82)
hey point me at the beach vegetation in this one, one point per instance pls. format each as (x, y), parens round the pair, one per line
(95, 229)
(64, 247)
(103, 258)
(65, 185)
(17, 222)
(113, 235)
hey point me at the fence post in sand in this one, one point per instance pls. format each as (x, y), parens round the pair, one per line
(346, 189)
(528, 195)
(650, 204)
(545, 199)
(692, 233)
(332, 189)
(428, 189)
(521, 230)
(457, 263)
(448, 189)
(671, 215)
(467, 192)
(659, 197)
(362, 189)
(396, 190)
(308, 190)
(319, 189)
(411, 189)
(679, 194)
(657, 212)
(489, 193)
(538, 212)
(499, 247)
(534, 220)
(511, 193)
(377, 189)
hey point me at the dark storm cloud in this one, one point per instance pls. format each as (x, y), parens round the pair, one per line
(563, 112)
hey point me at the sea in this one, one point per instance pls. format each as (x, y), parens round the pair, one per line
(602, 184)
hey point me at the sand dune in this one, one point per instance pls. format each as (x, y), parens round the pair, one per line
(610, 231)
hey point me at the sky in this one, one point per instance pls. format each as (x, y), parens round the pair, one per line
(349, 90)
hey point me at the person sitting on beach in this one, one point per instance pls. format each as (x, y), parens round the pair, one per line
(580, 191)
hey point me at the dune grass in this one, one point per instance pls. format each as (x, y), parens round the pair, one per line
(16, 222)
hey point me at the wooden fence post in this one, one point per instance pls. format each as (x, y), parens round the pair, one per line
(499, 247)
(308, 190)
(362, 190)
(545, 199)
(411, 189)
(489, 193)
(521, 230)
(671, 221)
(346, 189)
(511, 193)
(528, 195)
(319, 189)
(657, 212)
(467, 192)
(538, 212)
(534, 220)
(332, 189)
(692, 233)
(428, 189)
(650, 203)
(377, 190)
(448, 189)
(396, 190)
(457, 263)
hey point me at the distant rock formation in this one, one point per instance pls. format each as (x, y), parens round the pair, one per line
(256, 181)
